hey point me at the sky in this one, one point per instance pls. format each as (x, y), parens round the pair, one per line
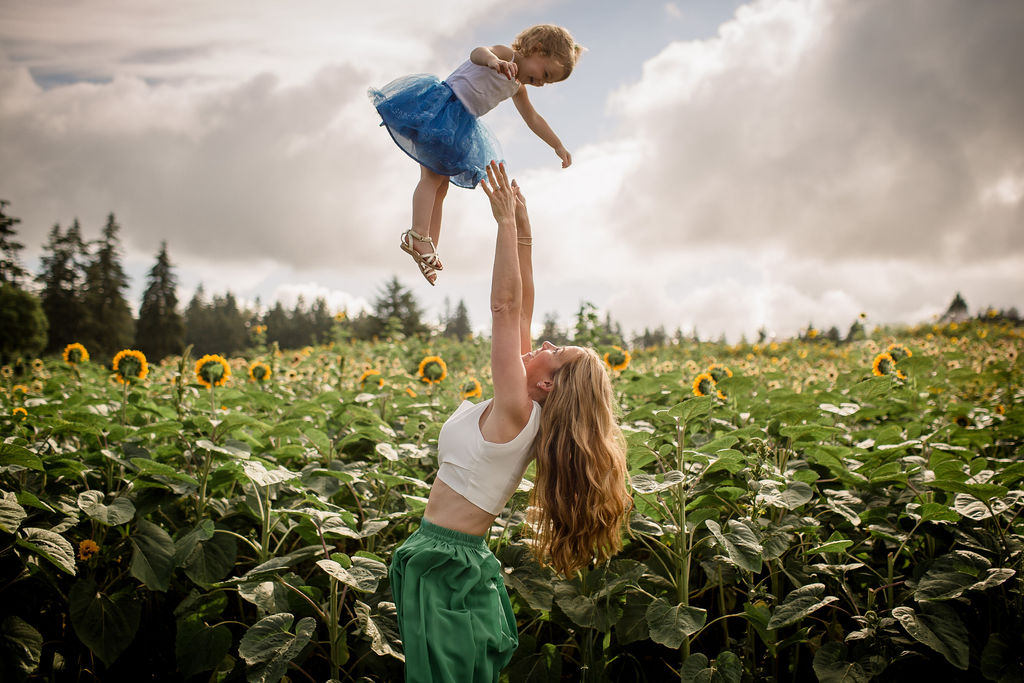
(737, 166)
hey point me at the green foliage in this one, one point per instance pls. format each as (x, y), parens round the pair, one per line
(23, 324)
(816, 523)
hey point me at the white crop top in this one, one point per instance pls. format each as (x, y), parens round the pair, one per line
(485, 473)
(479, 88)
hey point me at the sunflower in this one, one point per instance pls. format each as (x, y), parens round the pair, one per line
(1000, 409)
(366, 377)
(37, 365)
(212, 371)
(432, 370)
(471, 389)
(86, 549)
(23, 388)
(812, 333)
(340, 317)
(718, 372)
(899, 352)
(703, 384)
(130, 365)
(19, 411)
(259, 371)
(883, 364)
(409, 391)
(6, 372)
(617, 359)
(75, 354)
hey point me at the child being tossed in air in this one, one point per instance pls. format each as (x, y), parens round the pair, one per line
(437, 122)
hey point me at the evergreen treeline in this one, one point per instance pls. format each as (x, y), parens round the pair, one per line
(81, 298)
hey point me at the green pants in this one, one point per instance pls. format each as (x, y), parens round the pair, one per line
(454, 614)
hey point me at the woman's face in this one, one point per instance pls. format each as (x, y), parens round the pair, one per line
(541, 364)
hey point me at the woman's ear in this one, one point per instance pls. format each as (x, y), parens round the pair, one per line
(546, 385)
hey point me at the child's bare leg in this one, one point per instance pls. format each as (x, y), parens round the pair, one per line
(423, 206)
(435, 215)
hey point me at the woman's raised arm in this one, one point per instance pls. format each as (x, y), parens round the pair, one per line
(524, 247)
(511, 405)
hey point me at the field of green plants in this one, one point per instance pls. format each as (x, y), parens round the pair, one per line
(804, 510)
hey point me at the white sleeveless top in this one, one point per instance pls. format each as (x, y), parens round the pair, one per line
(485, 473)
(480, 89)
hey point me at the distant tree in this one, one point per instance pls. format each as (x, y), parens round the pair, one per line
(218, 326)
(110, 326)
(856, 332)
(320, 322)
(396, 310)
(279, 326)
(199, 330)
(552, 332)
(22, 324)
(457, 325)
(833, 334)
(63, 274)
(11, 272)
(957, 311)
(161, 329)
(228, 332)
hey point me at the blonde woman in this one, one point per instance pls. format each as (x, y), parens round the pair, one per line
(552, 403)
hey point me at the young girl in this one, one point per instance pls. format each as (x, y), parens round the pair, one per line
(552, 404)
(436, 122)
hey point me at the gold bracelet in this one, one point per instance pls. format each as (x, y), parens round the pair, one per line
(525, 241)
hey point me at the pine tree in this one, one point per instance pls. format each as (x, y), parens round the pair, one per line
(62, 276)
(161, 329)
(552, 332)
(11, 271)
(198, 318)
(22, 324)
(110, 325)
(457, 325)
(396, 309)
(227, 325)
(321, 322)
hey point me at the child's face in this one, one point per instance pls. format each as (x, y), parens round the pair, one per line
(538, 69)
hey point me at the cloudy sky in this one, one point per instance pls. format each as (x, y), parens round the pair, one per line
(736, 165)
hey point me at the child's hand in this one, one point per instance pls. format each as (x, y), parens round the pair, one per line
(564, 155)
(506, 69)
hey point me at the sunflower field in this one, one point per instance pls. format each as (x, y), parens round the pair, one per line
(803, 510)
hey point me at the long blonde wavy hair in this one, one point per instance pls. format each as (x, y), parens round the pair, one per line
(580, 497)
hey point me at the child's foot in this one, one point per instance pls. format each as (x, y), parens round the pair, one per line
(427, 261)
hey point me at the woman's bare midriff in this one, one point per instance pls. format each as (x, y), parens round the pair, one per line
(449, 509)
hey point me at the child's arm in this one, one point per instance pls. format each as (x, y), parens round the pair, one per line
(539, 126)
(497, 57)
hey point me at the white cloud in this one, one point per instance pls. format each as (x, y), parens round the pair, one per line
(814, 159)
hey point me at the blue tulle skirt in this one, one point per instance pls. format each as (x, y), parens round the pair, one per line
(431, 125)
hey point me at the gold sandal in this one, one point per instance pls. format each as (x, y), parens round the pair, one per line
(428, 263)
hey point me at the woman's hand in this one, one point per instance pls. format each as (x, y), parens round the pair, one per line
(522, 217)
(499, 191)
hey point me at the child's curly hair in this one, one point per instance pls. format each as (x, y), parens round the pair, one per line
(553, 41)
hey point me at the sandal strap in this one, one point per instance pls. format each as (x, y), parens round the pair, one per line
(420, 238)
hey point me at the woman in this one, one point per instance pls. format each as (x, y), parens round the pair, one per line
(453, 612)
